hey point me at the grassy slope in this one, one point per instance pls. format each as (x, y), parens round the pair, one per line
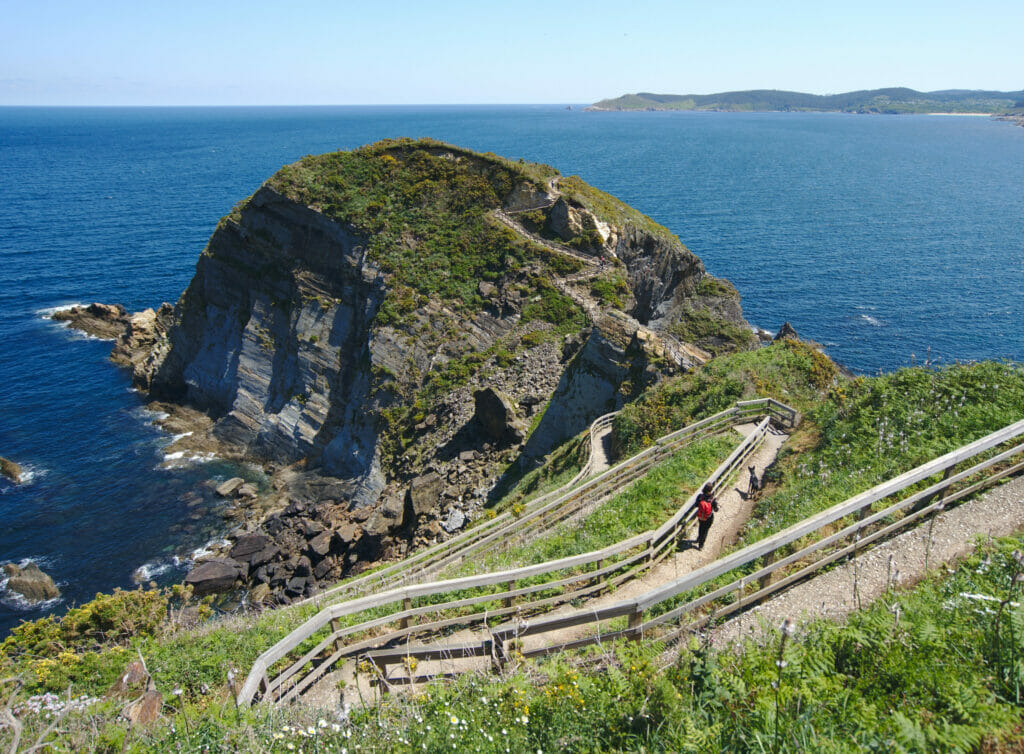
(942, 672)
(840, 690)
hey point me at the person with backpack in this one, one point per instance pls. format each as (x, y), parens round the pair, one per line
(706, 508)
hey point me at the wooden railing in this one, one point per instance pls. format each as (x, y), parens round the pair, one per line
(430, 560)
(520, 591)
(986, 461)
(570, 499)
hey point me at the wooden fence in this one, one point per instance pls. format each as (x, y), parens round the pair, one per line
(279, 675)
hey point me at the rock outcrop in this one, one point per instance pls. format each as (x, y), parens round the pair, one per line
(104, 321)
(496, 414)
(10, 470)
(382, 329)
(786, 331)
(30, 582)
(214, 575)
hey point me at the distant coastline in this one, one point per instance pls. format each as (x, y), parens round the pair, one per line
(897, 101)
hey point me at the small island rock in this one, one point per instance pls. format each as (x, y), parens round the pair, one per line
(10, 469)
(99, 320)
(30, 582)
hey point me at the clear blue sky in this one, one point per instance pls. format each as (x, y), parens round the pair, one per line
(181, 52)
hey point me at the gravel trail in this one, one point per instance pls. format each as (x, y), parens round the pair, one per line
(899, 561)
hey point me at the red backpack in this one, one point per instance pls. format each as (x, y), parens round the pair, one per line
(704, 509)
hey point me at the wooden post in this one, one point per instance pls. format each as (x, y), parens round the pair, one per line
(635, 619)
(766, 561)
(509, 587)
(406, 605)
(335, 625)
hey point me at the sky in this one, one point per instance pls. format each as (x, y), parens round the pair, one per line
(322, 52)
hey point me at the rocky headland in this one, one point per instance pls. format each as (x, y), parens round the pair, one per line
(395, 333)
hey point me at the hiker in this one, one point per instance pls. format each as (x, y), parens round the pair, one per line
(706, 507)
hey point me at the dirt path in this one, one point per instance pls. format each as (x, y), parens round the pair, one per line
(899, 561)
(600, 451)
(734, 509)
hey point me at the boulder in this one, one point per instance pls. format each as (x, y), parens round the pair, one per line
(323, 568)
(295, 586)
(424, 492)
(786, 331)
(145, 709)
(10, 469)
(320, 545)
(393, 508)
(247, 490)
(467, 455)
(230, 487)
(486, 289)
(264, 556)
(259, 594)
(304, 567)
(213, 575)
(248, 545)
(456, 520)
(30, 582)
(133, 679)
(496, 414)
(348, 533)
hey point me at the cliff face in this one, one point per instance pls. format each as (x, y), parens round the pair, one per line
(342, 319)
(272, 339)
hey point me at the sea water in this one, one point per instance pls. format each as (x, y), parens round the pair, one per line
(890, 240)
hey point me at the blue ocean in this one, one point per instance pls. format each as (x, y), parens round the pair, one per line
(890, 240)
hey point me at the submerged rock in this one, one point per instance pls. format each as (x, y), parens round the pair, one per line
(231, 487)
(30, 582)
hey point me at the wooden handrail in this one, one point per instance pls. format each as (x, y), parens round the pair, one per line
(654, 541)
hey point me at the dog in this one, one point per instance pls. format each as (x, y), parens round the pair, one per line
(753, 484)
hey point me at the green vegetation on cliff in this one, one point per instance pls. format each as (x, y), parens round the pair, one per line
(424, 207)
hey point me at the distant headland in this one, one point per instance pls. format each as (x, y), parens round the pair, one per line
(895, 100)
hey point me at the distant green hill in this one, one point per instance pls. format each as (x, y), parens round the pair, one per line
(892, 100)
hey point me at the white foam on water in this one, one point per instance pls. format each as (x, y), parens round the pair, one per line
(181, 458)
(207, 549)
(50, 311)
(147, 571)
(871, 320)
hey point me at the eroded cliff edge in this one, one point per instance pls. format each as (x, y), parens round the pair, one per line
(393, 330)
